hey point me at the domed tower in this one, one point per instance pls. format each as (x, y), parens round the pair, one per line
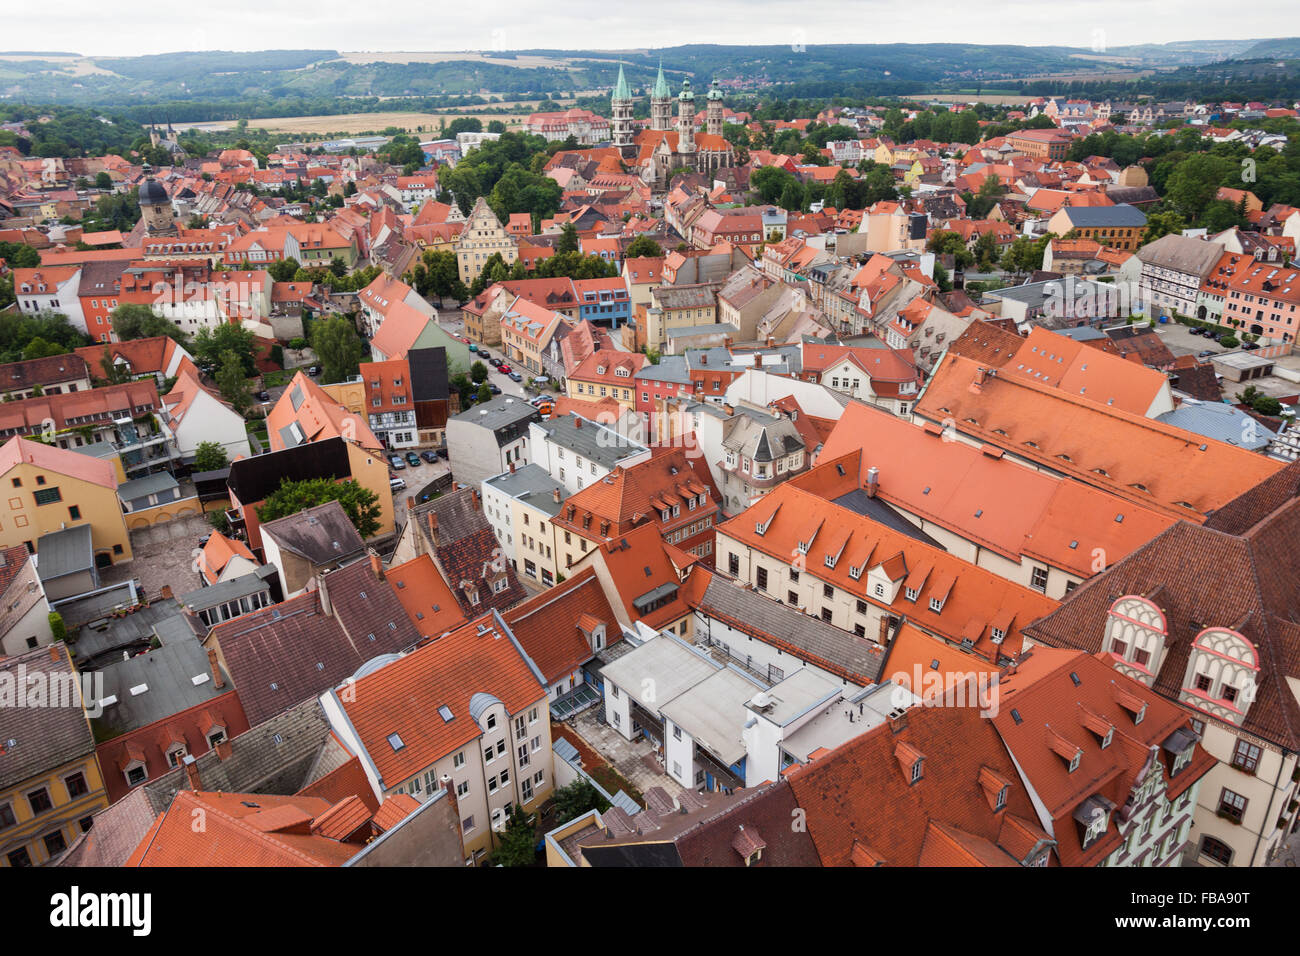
(713, 120)
(155, 206)
(620, 124)
(686, 119)
(661, 103)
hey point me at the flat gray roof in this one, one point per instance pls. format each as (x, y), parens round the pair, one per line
(232, 590)
(590, 440)
(532, 485)
(156, 685)
(66, 551)
(1241, 360)
(713, 712)
(148, 485)
(500, 412)
(672, 666)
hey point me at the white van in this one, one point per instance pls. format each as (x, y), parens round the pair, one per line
(396, 484)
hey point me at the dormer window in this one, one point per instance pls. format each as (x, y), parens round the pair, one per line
(911, 593)
(916, 769)
(936, 605)
(1002, 799)
(999, 635)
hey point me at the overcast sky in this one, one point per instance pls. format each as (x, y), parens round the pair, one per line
(95, 28)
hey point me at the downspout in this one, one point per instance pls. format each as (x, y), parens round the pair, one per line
(1268, 814)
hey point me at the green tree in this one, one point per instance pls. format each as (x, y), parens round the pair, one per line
(232, 383)
(359, 503)
(518, 846)
(946, 242)
(283, 270)
(643, 246)
(135, 321)
(484, 392)
(38, 348)
(115, 373)
(568, 239)
(210, 344)
(577, 798)
(336, 343)
(210, 456)
(1162, 224)
(1267, 405)
(1192, 185)
(478, 372)
(103, 181)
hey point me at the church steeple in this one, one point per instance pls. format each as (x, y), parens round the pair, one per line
(661, 103)
(620, 125)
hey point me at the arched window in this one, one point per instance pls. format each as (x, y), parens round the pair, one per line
(1216, 850)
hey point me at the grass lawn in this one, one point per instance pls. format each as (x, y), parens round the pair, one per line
(280, 377)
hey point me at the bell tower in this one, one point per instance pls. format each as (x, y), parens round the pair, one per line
(621, 121)
(661, 104)
(686, 119)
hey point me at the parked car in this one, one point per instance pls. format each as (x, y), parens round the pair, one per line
(396, 462)
(473, 347)
(413, 459)
(314, 371)
(1250, 346)
(515, 377)
(429, 456)
(396, 484)
(263, 396)
(1204, 353)
(504, 369)
(494, 389)
(1196, 330)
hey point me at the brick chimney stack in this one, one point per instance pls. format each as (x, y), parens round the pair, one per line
(433, 527)
(873, 481)
(217, 680)
(376, 564)
(191, 772)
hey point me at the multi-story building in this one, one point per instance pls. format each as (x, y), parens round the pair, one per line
(50, 782)
(481, 239)
(520, 505)
(666, 489)
(50, 489)
(489, 438)
(390, 404)
(527, 330)
(1174, 269)
(478, 725)
(44, 376)
(577, 452)
(1223, 655)
(607, 373)
(1119, 227)
(1257, 298)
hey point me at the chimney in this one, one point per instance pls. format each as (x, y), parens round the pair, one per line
(476, 502)
(726, 342)
(166, 592)
(225, 750)
(54, 652)
(512, 468)
(884, 630)
(873, 481)
(445, 782)
(981, 375)
(577, 421)
(556, 495)
(410, 502)
(704, 358)
(771, 342)
(758, 360)
(323, 589)
(376, 564)
(217, 680)
(433, 528)
(191, 771)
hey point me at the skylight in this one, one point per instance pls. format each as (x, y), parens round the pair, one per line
(395, 741)
(445, 713)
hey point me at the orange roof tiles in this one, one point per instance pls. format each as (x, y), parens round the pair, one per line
(404, 697)
(426, 597)
(550, 625)
(1140, 460)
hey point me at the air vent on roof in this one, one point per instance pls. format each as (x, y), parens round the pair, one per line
(198, 679)
(1074, 679)
(1015, 715)
(139, 689)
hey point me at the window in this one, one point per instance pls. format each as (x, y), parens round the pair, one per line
(76, 784)
(20, 857)
(916, 770)
(136, 775)
(458, 760)
(492, 785)
(1002, 799)
(40, 801)
(488, 754)
(7, 818)
(1232, 806)
(491, 721)
(828, 591)
(74, 513)
(1245, 756)
(1216, 850)
(936, 605)
(760, 578)
(677, 732)
(467, 824)
(46, 496)
(462, 788)
(733, 564)
(1039, 579)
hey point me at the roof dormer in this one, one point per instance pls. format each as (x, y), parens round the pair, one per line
(996, 787)
(910, 760)
(1064, 748)
(1222, 674)
(1136, 631)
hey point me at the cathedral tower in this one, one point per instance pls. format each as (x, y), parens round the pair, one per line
(621, 121)
(661, 104)
(686, 119)
(713, 119)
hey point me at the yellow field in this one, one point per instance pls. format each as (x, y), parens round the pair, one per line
(434, 57)
(353, 123)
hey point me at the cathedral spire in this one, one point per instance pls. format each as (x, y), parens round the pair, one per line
(661, 85)
(622, 93)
